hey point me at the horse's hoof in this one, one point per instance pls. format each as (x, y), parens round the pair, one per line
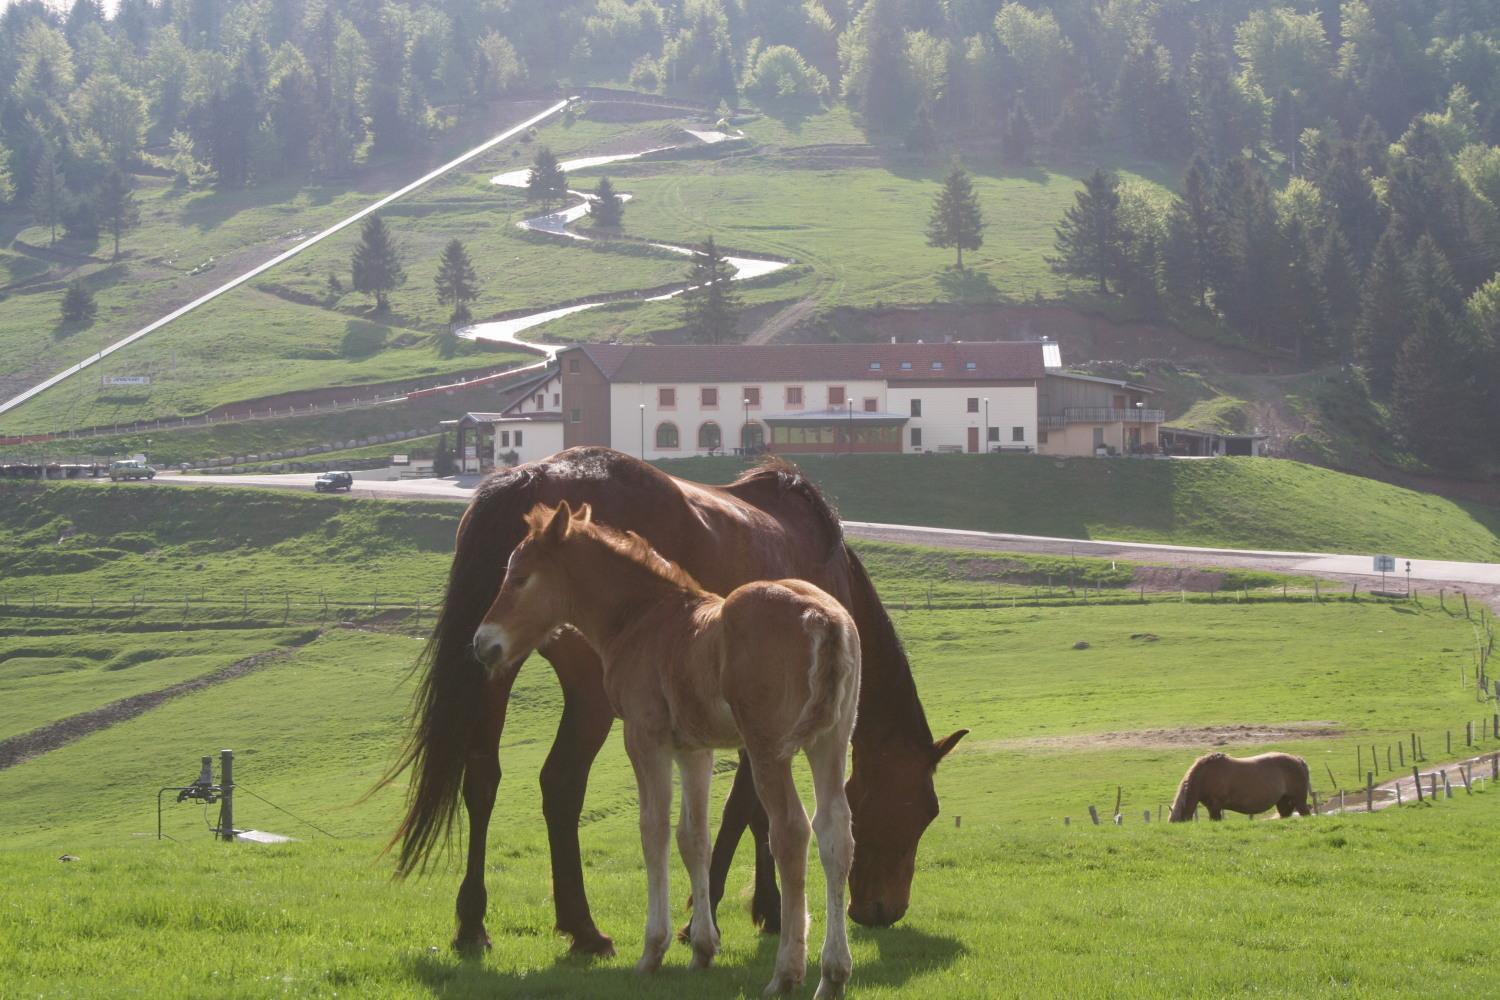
(593, 943)
(828, 989)
(703, 957)
(472, 946)
(782, 982)
(648, 964)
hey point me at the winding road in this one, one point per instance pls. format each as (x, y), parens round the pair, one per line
(506, 331)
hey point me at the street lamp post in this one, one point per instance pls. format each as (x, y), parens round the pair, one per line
(849, 405)
(986, 423)
(643, 432)
(745, 428)
(1139, 413)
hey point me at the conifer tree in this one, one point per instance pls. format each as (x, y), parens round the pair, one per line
(1090, 238)
(1382, 314)
(546, 183)
(117, 207)
(1300, 301)
(1020, 137)
(1192, 237)
(1433, 392)
(608, 208)
(456, 284)
(1338, 285)
(710, 303)
(956, 220)
(375, 267)
(78, 304)
(49, 193)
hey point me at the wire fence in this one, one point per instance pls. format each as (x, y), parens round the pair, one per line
(32, 610)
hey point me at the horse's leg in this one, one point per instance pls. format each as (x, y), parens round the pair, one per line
(697, 769)
(1284, 806)
(832, 823)
(790, 832)
(1214, 812)
(481, 779)
(585, 724)
(742, 809)
(652, 759)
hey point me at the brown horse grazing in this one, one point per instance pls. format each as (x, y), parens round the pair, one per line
(772, 524)
(772, 666)
(1244, 785)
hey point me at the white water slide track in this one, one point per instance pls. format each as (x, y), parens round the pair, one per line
(427, 178)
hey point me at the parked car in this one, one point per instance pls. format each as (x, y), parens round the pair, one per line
(328, 482)
(130, 469)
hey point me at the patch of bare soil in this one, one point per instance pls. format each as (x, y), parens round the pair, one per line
(1167, 578)
(1196, 736)
(20, 749)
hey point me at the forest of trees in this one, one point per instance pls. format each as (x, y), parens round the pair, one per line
(1340, 192)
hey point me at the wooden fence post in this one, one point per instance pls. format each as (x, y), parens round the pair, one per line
(1448, 736)
(1466, 603)
(1094, 815)
(1468, 734)
(1369, 791)
(1463, 772)
(1416, 780)
(1401, 754)
(1447, 788)
(1315, 802)
(1146, 816)
(1432, 785)
(1375, 759)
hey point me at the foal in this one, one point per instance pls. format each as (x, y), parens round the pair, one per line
(773, 667)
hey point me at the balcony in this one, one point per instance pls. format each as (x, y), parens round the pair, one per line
(1101, 415)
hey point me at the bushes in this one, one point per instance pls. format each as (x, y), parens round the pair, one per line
(780, 72)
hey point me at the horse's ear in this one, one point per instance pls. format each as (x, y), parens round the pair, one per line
(557, 527)
(585, 514)
(944, 746)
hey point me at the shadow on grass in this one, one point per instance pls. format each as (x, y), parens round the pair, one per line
(967, 286)
(904, 952)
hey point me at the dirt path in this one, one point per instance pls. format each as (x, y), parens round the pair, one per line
(20, 749)
(1478, 768)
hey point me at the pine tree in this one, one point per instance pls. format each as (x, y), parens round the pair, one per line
(1382, 314)
(456, 284)
(78, 304)
(608, 208)
(710, 303)
(546, 183)
(117, 208)
(1434, 399)
(49, 193)
(1090, 239)
(1192, 237)
(1338, 285)
(1300, 301)
(956, 220)
(1020, 137)
(375, 267)
(1250, 255)
(1351, 200)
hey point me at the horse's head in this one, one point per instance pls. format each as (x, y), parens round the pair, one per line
(532, 601)
(1186, 803)
(893, 801)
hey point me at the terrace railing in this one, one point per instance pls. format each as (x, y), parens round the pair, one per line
(1102, 415)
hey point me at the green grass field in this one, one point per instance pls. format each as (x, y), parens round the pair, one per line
(1232, 502)
(1009, 903)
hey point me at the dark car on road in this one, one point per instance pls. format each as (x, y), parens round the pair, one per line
(328, 482)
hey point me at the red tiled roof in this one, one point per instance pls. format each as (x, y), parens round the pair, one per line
(991, 360)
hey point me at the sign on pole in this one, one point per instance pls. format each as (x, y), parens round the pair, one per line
(1385, 564)
(125, 380)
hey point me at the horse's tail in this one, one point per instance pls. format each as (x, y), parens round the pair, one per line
(833, 682)
(1186, 802)
(450, 702)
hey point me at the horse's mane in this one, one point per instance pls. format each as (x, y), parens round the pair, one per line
(627, 544)
(773, 470)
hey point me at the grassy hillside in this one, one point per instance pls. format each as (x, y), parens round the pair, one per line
(1232, 502)
(852, 216)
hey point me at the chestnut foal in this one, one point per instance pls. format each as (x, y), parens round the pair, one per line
(773, 667)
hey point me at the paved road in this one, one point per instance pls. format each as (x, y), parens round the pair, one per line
(1480, 579)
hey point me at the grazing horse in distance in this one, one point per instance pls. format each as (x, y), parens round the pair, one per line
(772, 666)
(771, 523)
(1244, 785)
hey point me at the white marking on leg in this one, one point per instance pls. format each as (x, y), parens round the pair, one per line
(832, 823)
(652, 761)
(696, 767)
